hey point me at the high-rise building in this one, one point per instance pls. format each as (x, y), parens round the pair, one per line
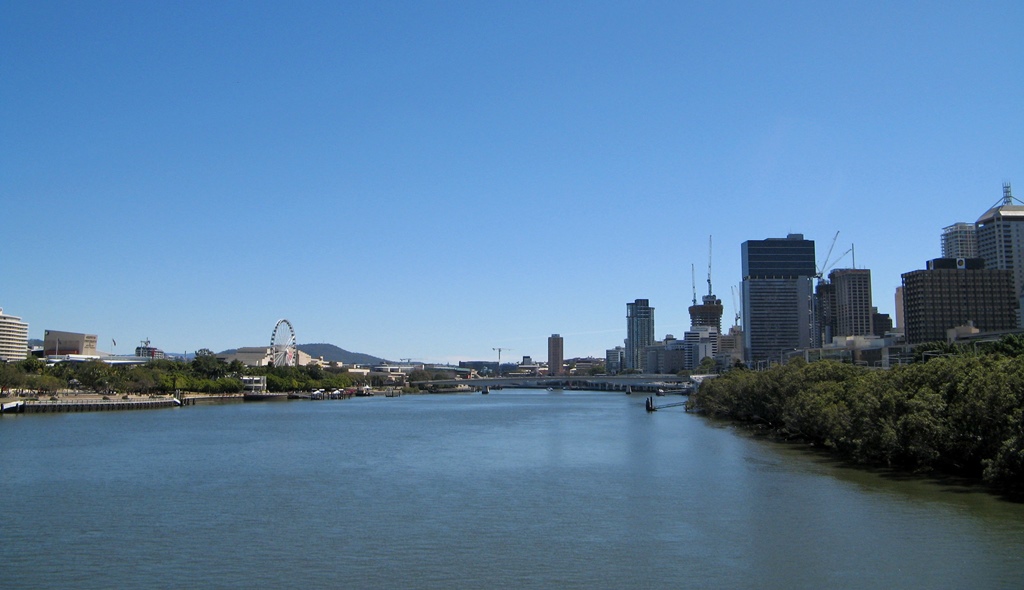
(556, 355)
(853, 301)
(13, 338)
(639, 333)
(954, 292)
(901, 318)
(778, 296)
(960, 240)
(1001, 238)
(825, 297)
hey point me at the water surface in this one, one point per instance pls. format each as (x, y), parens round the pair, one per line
(514, 489)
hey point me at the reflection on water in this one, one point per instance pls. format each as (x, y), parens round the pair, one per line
(513, 489)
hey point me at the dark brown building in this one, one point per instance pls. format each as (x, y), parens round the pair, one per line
(953, 292)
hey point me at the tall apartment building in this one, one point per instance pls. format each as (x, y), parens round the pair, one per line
(953, 292)
(960, 240)
(1001, 239)
(13, 338)
(556, 355)
(778, 296)
(639, 333)
(853, 301)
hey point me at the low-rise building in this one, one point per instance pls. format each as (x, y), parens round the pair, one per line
(56, 343)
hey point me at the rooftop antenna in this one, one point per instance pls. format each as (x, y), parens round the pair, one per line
(1007, 194)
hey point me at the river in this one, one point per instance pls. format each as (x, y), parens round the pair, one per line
(516, 489)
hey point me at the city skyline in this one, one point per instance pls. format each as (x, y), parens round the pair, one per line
(434, 181)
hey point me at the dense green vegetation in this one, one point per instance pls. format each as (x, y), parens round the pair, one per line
(204, 374)
(959, 414)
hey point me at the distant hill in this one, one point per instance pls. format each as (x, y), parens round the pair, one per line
(330, 353)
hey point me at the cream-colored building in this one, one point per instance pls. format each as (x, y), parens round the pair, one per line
(13, 338)
(57, 343)
(262, 356)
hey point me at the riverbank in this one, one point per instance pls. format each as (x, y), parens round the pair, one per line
(958, 416)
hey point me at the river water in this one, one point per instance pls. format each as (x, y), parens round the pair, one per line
(517, 489)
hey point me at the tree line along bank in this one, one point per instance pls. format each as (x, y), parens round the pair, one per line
(961, 412)
(204, 374)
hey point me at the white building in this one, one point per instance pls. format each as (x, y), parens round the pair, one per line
(960, 240)
(13, 338)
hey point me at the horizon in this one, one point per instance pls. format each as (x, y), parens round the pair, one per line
(438, 180)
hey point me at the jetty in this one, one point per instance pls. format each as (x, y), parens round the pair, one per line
(651, 407)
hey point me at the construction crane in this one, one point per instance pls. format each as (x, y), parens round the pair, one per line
(499, 349)
(709, 267)
(820, 274)
(693, 283)
(735, 306)
(825, 266)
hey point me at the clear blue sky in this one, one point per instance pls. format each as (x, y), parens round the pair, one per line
(435, 179)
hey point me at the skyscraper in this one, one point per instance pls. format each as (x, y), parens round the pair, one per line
(556, 355)
(1001, 238)
(639, 333)
(778, 296)
(853, 301)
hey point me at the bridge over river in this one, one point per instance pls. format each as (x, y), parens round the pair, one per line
(640, 383)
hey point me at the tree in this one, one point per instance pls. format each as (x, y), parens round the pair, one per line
(707, 365)
(32, 366)
(209, 366)
(10, 377)
(94, 375)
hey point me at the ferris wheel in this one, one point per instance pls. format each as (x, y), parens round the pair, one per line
(282, 344)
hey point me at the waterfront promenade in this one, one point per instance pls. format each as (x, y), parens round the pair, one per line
(94, 402)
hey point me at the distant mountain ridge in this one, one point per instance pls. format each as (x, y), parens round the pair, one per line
(330, 353)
